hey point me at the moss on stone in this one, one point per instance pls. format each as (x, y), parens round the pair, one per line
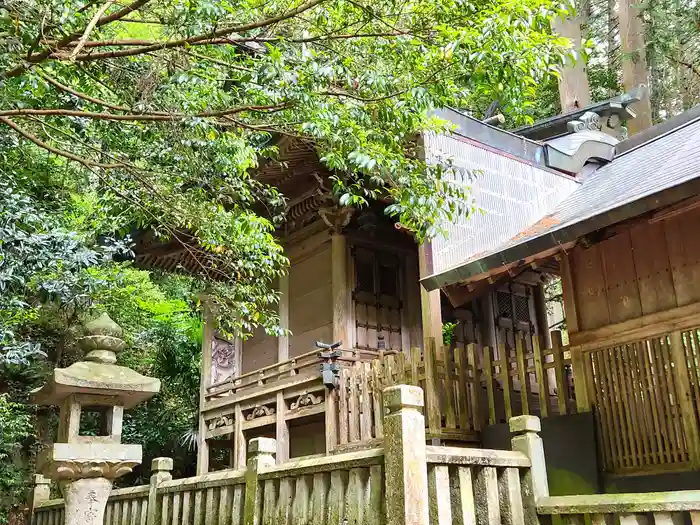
(564, 483)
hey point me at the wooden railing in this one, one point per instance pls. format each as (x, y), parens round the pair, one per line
(664, 508)
(400, 482)
(467, 388)
(447, 375)
(300, 366)
(527, 379)
(272, 397)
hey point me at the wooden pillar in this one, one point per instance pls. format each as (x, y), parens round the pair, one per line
(490, 337)
(283, 308)
(568, 294)
(431, 309)
(341, 290)
(685, 397)
(405, 463)
(541, 315)
(205, 381)
(413, 301)
(281, 424)
(340, 287)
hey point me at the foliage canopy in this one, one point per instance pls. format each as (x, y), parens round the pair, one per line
(164, 109)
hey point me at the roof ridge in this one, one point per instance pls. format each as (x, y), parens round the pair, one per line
(658, 131)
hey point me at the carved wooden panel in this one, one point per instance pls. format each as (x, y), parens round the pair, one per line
(223, 360)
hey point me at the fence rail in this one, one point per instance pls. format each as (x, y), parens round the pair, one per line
(664, 508)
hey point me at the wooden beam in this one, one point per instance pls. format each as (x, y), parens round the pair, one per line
(569, 294)
(281, 425)
(672, 211)
(681, 318)
(431, 309)
(205, 380)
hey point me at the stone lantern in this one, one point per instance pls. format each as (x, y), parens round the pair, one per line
(85, 466)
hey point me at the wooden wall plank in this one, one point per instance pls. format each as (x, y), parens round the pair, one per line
(684, 254)
(258, 352)
(311, 273)
(620, 278)
(589, 286)
(653, 268)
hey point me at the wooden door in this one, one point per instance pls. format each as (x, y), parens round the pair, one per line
(377, 298)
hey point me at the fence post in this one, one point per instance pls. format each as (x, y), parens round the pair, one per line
(40, 493)
(261, 455)
(406, 469)
(160, 472)
(431, 390)
(578, 370)
(534, 483)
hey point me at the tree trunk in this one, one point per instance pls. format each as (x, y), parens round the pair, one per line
(612, 44)
(634, 63)
(574, 91)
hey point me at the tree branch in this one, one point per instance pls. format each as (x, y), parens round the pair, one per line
(686, 64)
(91, 25)
(202, 39)
(134, 117)
(43, 55)
(80, 94)
(62, 153)
(127, 42)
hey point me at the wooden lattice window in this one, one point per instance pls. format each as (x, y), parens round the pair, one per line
(377, 298)
(522, 308)
(505, 305)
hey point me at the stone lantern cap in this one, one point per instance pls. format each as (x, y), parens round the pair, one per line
(99, 374)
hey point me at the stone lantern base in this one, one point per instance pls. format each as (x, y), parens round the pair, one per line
(85, 500)
(85, 472)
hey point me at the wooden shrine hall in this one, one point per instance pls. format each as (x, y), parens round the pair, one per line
(358, 278)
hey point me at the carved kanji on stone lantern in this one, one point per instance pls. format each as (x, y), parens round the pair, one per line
(86, 465)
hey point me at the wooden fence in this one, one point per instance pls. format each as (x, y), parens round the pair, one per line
(645, 394)
(349, 488)
(466, 388)
(402, 482)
